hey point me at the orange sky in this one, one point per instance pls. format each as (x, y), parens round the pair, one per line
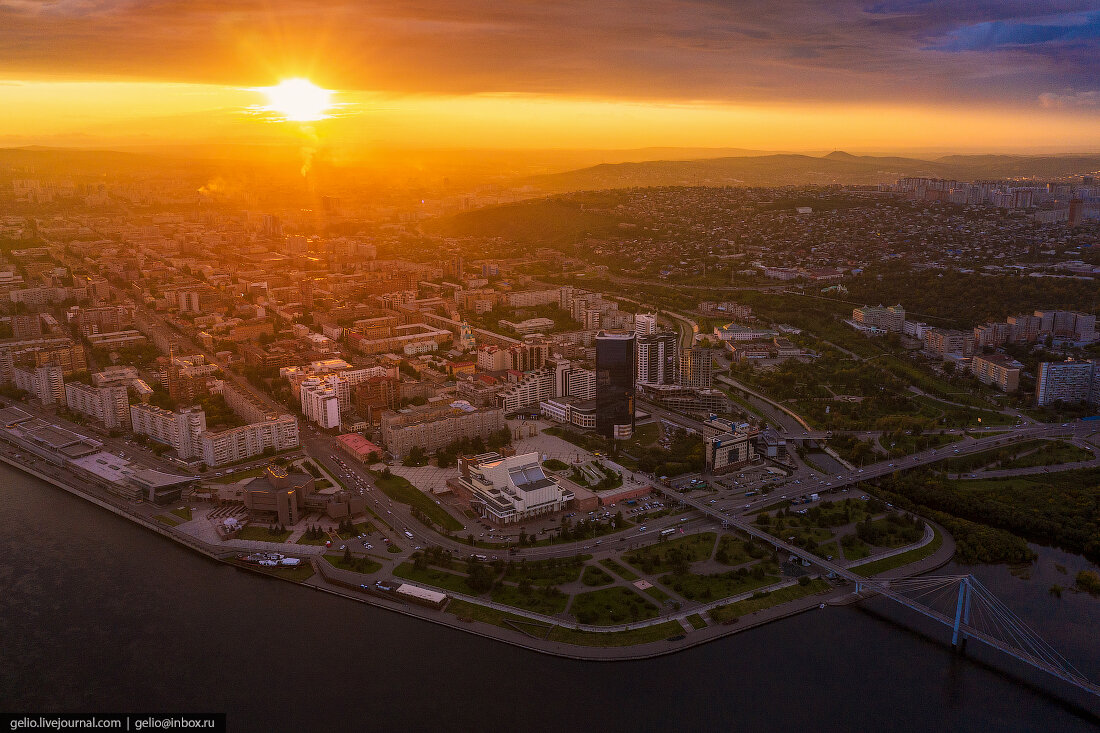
(798, 75)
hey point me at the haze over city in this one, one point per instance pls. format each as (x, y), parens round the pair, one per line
(668, 365)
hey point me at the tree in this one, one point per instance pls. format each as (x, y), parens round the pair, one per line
(347, 554)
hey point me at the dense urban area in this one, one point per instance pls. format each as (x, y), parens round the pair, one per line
(588, 423)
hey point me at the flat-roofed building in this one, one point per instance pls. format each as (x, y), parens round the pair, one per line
(728, 445)
(247, 441)
(998, 370)
(182, 430)
(509, 490)
(108, 404)
(1068, 381)
(44, 382)
(432, 427)
(320, 401)
(278, 495)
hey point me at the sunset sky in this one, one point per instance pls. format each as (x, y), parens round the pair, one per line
(794, 75)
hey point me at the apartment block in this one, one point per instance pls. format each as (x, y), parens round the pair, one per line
(432, 427)
(107, 404)
(998, 370)
(182, 430)
(248, 441)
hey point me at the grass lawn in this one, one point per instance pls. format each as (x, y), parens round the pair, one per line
(827, 549)
(712, 587)
(855, 548)
(544, 572)
(183, 512)
(647, 634)
(535, 599)
(304, 541)
(399, 489)
(434, 577)
(657, 594)
(593, 576)
(1050, 454)
(697, 621)
(233, 478)
(167, 519)
(611, 606)
(466, 611)
(766, 600)
(658, 558)
(357, 564)
(905, 558)
(259, 533)
(736, 551)
(620, 570)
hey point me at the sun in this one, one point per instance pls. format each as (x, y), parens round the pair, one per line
(298, 100)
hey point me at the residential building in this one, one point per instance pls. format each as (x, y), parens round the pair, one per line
(248, 441)
(885, 319)
(45, 382)
(182, 430)
(107, 404)
(432, 427)
(645, 324)
(697, 367)
(942, 342)
(320, 401)
(1067, 381)
(658, 358)
(998, 370)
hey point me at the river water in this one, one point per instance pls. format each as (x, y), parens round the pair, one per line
(97, 614)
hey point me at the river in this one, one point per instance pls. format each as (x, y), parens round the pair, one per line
(98, 614)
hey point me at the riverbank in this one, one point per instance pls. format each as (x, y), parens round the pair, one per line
(682, 636)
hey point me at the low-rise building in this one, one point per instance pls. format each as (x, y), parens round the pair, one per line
(359, 448)
(509, 490)
(728, 445)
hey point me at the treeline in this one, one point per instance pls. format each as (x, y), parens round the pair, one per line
(992, 528)
(966, 300)
(684, 454)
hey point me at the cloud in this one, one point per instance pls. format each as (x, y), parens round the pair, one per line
(1070, 100)
(678, 50)
(1000, 34)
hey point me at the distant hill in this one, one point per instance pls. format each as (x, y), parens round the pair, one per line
(534, 221)
(786, 169)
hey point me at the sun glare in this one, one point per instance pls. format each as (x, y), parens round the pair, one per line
(298, 100)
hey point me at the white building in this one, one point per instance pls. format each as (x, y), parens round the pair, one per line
(246, 441)
(321, 401)
(182, 430)
(107, 404)
(44, 382)
(645, 324)
(509, 490)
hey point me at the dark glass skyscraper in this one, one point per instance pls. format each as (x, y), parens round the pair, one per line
(615, 372)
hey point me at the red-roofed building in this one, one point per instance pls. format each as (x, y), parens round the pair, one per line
(358, 447)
